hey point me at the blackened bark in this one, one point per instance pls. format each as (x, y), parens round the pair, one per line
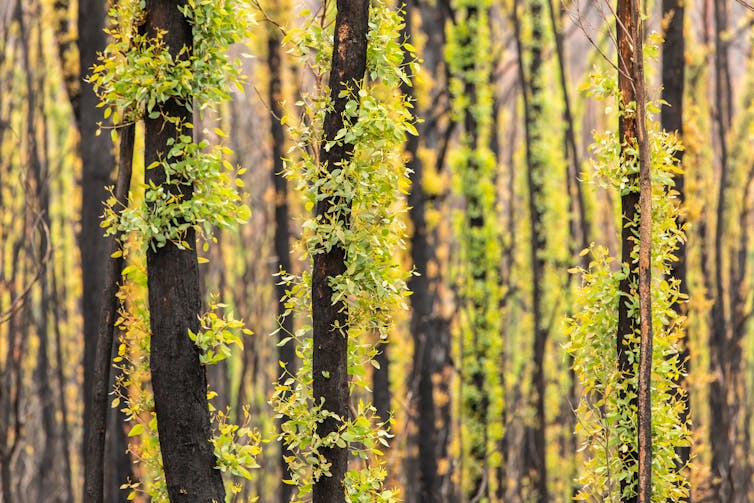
(535, 462)
(65, 435)
(330, 319)
(97, 162)
(286, 352)
(644, 396)
(578, 222)
(95, 442)
(381, 382)
(721, 411)
(627, 129)
(427, 486)
(46, 486)
(178, 379)
(671, 117)
(66, 49)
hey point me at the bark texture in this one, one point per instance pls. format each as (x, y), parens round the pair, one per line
(95, 442)
(286, 353)
(427, 487)
(97, 162)
(724, 345)
(627, 127)
(644, 398)
(671, 117)
(535, 462)
(330, 319)
(178, 380)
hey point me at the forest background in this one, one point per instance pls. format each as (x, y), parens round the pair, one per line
(496, 371)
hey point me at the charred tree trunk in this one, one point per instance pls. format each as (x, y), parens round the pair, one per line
(535, 462)
(286, 352)
(381, 382)
(644, 398)
(721, 411)
(673, 74)
(94, 477)
(178, 379)
(330, 318)
(627, 127)
(429, 334)
(97, 166)
(427, 486)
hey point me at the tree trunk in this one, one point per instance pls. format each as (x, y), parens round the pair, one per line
(671, 117)
(644, 398)
(381, 382)
(47, 485)
(535, 461)
(95, 442)
(721, 411)
(178, 379)
(286, 352)
(427, 486)
(627, 127)
(97, 162)
(330, 318)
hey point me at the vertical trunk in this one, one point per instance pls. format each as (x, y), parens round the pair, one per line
(178, 379)
(381, 382)
(97, 162)
(673, 74)
(578, 223)
(330, 318)
(721, 414)
(627, 127)
(644, 398)
(282, 249)
(476, 400)
(65, 435)
(47, 484)
(535, 463)
(427, 485)
(95, 441)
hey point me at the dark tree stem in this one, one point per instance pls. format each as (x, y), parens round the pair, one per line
(645, 264)
(673, 74)
(535, 462)
(95, 440)
(330, 319)
(179, 381)
(627, 126)
(286, 352)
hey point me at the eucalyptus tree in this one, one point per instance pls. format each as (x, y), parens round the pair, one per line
(330, 315)
(474, 170)
(673, 84)
(347, 164)
(629, 413)
(188, 190)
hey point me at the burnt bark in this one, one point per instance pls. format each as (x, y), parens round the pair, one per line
(330, 318)
(286, 352)
(671, 117)
(627, 128)
(427, 486)
(644, 396)
(178, 379)
(381, 382)
(722, 346)
(97, 161)
(46, 485)
(94, 483)
(535, 462)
